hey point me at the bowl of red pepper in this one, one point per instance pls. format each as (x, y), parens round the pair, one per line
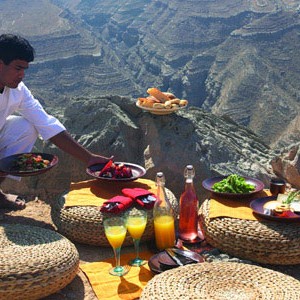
(116, 171)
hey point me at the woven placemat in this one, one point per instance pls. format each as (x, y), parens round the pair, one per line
(84, 224)
(222, 281)
(34, 262)
(264, 242)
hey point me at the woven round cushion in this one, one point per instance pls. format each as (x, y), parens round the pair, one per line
(34, 262)
(221, 281)
(265, 242)
(84, 224)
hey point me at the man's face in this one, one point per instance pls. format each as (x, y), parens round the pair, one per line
(12, 74)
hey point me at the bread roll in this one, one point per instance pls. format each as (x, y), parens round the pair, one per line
(168, 104)
(140, 101)
(158, 94)
(175, 101)
(153, 99)
(183, 103)
(158, 105)
(146, 102)
(169, 95)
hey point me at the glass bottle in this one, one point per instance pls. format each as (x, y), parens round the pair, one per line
(164, 227)
(189, 205)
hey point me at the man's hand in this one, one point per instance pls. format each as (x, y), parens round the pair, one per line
(66, 143)
(98, 159)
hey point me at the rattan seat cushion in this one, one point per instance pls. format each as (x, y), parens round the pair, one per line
(84, 224)
(221, 281)
(34, 262)
(266, 242)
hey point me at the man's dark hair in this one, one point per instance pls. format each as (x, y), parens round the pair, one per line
(14, 47)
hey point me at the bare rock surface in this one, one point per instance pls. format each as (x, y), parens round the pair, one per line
(238, 58)
(287, 165)
(115, 126)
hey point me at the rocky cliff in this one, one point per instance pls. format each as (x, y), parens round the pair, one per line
(115, 126)
(236, 62)
(238, 58)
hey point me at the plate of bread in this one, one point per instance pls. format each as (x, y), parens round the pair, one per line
(160, 103)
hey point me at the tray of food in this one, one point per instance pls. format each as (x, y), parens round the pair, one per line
(116, 171)
(233, 186)
(283, 207)
(161, 103)
(28, 164)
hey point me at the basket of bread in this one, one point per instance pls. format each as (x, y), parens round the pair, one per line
(160, 103)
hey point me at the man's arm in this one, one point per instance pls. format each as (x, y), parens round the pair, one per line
(66, 143)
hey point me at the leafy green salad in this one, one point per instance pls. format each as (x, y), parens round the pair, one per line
(233, 184)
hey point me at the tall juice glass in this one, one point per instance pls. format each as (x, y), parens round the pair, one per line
(164, 227)
(115, 231)
(136, 221)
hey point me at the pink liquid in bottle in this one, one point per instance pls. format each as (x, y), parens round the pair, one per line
(188, 217)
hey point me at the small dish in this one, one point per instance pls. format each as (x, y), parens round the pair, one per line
(166, 262)
(257, 207)
(154, 264)
(160, 111)
(137, 172)
(7, 164)
(162, 261)
(208, 184)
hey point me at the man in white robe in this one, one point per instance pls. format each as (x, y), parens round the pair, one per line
(22, 117)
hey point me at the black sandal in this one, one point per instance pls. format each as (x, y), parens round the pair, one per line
(12, 202)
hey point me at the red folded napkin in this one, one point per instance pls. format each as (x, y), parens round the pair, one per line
(116, 204)
(141, 196)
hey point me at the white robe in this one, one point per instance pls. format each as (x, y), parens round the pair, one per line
(19, 133)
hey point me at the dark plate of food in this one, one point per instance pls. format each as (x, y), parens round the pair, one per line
(116, 171)
(163, 261)
(233, 186)
(28, 164)
(267, 208)
(154, 264)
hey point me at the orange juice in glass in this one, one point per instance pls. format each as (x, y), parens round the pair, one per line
(115, 231)
(136, 221)
(116, 236)
(164, 230)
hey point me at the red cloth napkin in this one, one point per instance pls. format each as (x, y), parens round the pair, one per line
(116, 204)
(139, 196)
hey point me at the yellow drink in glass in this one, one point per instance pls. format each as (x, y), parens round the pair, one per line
(136, 221)
(136, 226)
(164, 230)
(115, 231)
(116, 235)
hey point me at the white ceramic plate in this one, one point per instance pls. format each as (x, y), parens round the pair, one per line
(160, 111)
